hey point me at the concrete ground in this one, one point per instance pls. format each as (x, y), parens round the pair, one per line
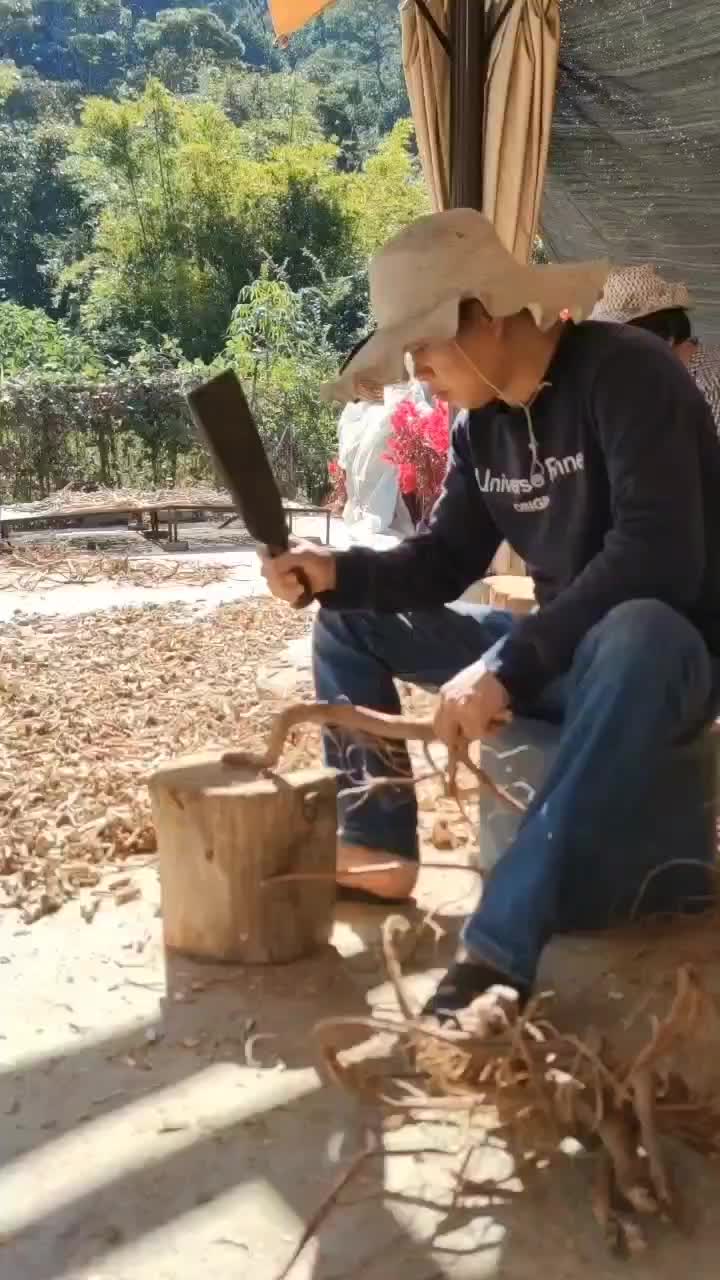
(163, 1120)
(207, 544)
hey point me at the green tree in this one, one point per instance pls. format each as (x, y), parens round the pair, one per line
(353, 52)
(348, 114)
(175, 188)
(38, 204)
(180, 41)
(26, 98)
(82, 40)
(389, 192)
(17, 29)
(30, 339)
(279, 342)
(186, 217)
(271, 110)
(100, 44)
(249, 20)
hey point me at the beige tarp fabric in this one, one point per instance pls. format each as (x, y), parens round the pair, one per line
(518, 120)
(427, 75)
(290, 15)
(518, 110)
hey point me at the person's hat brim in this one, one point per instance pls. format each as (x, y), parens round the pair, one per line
(382, 358)
(545, 291)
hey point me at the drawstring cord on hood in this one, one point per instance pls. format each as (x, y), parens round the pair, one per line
(537, 467)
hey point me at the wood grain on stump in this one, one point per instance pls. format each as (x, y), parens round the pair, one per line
(222, 834)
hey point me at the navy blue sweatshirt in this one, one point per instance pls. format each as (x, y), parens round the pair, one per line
(619, 500)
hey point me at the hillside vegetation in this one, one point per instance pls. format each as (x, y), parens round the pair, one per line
(178, 194)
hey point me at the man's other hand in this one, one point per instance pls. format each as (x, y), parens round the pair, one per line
(472, 705)
(317, 563)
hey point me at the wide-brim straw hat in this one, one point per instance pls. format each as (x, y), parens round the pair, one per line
(420, 277)
(631, 293)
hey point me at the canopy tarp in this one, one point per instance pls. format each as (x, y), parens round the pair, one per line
(634, 166)
(634, 172)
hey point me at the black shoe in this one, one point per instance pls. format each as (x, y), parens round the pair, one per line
(464, 982)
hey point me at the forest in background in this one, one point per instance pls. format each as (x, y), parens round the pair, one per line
(178, 194)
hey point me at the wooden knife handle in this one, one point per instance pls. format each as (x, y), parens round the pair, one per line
(308, 595)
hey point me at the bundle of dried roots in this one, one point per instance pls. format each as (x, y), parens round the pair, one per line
(515, 1073)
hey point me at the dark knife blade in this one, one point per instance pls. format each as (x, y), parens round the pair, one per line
(225, 420)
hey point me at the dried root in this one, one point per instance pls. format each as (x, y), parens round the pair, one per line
(393, 926)
(312, 1227)
(623, 1235)
(537, 1086)
(374, 724)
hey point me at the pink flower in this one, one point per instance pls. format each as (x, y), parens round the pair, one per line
(418, 447)
(437, 430)
(408, 477)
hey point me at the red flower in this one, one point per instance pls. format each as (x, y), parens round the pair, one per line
(408, 477)
(418, 447)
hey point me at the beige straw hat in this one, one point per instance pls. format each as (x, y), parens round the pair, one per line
(633, 292)
(420, 277)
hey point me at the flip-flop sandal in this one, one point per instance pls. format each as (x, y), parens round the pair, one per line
(462, 984)
(346, 893)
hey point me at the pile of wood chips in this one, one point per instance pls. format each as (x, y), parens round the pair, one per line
(89, 705)
(39, 568)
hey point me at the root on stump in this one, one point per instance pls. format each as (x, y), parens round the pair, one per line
(373, 724)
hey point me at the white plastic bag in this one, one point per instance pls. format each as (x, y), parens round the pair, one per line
(374, 504)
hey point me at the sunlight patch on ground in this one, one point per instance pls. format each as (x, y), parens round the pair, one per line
(104, 1150)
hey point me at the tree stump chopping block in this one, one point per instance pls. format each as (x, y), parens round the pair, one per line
(223, 834)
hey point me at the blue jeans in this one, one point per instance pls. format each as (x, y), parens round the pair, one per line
(641, 681)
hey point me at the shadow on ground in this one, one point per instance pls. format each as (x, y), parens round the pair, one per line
(174, 1126)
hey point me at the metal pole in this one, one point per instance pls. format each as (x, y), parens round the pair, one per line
(468, 39)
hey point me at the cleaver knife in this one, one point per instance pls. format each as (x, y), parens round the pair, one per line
(225, 420)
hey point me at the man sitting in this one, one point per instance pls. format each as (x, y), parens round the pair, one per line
(589, 449)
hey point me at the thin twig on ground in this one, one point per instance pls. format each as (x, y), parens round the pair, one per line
(318, 1217)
